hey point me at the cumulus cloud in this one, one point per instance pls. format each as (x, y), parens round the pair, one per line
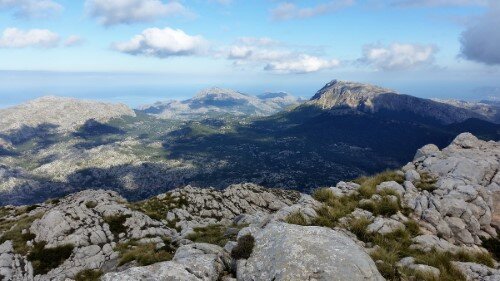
(163, 43)
(481, 40)
(73, 40)
(111, 12)
(437, 3)
(17, 38)
(301, 64)
(32, 8)
(398, 56)
(275, 56)
(289, 10)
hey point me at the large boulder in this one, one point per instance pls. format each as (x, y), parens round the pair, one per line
(291, 252)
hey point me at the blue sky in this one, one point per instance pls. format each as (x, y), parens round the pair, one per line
(138, 51)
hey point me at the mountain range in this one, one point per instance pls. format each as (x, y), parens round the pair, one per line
(59, 145)
(217, 102)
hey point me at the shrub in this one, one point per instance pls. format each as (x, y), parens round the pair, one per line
(144, 254)
(88, 275)
(116, 223)
(475, 257)
(244, 248)
(44, 259)
(493, 246)
(91, 204)
(31, 208)
(296, 218)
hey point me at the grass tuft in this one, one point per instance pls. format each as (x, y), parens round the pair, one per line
(89, 275)
(144, 254)
(296, 218)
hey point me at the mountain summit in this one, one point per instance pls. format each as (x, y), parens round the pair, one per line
(372, 99)
(213, 102)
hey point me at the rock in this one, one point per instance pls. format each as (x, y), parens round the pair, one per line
(474, 271)
(312, 253)
(384, 226)
(412, 175)
(391, 185)
(195, 262)
(427, 150)
(426, 243)
(73, 222)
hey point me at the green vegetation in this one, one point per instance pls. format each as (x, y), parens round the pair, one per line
(386, 206)
(392, 247)
(369, 184)
(158, 208)
(212, 234)
(427, 182)
(333, 207)
(144, 254)
(296, 218)
(91, 204)
(13, 230)
(493, 246)
(116, 224)
(244, 248)
(89, 275)
(44, 259)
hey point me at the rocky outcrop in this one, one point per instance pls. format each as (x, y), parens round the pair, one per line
(474, 271)
(458, 204)
(339, 95)
(237, 202)
(291, 252)
(14, 266)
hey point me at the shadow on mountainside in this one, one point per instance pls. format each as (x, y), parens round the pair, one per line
(309, 147)
(37, 137)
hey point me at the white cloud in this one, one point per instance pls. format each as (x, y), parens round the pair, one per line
(73, 40)
(437, 3)
(481, 40)
(111, 12)
(163, 43)
(16, 38)
(301, 64)
(289, 10)
(32, 8)
(398, 56)
(275, 56)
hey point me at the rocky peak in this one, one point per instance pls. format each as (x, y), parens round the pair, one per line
(339, 95)
(343, 93)
(220, 94)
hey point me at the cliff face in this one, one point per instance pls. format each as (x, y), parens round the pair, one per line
(441, 203)
(372, 99)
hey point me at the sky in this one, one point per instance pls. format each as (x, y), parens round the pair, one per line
(140, 51)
